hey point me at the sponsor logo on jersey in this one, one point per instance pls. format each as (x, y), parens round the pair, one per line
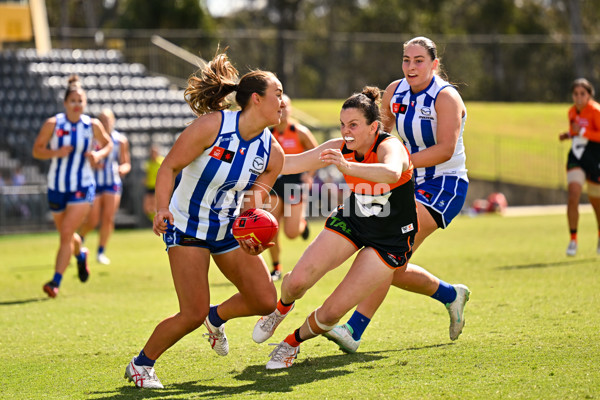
(222, 154)
(399, 108)
(426, 111)
(407, 228)
(258, 165)
(425, 194)
(242, 150)
(62, 132)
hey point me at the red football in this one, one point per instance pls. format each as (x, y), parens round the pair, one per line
(255, 226)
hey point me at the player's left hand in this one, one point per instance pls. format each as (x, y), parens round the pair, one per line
(335, 157)
(254, 250)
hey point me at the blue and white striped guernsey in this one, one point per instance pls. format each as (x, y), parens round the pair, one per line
(208, 197)
(416, 123)
(73, 172)
(108, 174)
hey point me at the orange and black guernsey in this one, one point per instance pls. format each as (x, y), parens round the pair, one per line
(378, 215)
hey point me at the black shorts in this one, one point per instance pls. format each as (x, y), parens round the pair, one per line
(394, 252)
(589, 161)
(289, 188)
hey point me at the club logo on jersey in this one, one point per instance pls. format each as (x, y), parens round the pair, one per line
(62, 132)
(407, 228)
(425, 194)
(222, 154)
(258, 165)
(399, 108)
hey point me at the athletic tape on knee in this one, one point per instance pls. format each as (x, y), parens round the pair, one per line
(315, 327)
(576, 175)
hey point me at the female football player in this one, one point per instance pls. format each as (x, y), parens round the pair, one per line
(429, 116)
(109, 186)
(66, 139)
(378, 219)
(583, 163)
(228, 161)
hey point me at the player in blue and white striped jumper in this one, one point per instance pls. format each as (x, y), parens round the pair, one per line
(429, 116)
(228, 163)
(66, 139)
(109, 186)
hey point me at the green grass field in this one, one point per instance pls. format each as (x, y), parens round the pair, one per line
(510, 142)
(532, 324)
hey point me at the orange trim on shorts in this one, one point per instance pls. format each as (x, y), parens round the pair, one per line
(345, 237)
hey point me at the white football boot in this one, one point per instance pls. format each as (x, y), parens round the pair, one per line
(142, 375)
(572, 248)
(283, 356)
(217, 338)
(266, 325)
(102, 259)
(456, 310)
(342, 336)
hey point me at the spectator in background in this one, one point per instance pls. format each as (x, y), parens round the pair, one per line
(18, 177)
(109, 186)
(287, 197)
(583, 162)
(152, 165)
(67, 139)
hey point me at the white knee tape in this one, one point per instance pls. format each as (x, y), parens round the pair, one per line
(326, 328)
(576, 175)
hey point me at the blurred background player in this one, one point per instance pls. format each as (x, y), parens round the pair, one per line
(109, 186)
(288, 197)
(377, 222)
(67, 139)
(429, 116)
(583, 163)
(229, 161)
(151, 166)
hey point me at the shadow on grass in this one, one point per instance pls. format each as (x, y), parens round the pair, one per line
(565, 263)
(23, 301)
(260, 380)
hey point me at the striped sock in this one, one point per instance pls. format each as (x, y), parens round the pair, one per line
(284, 308)
(293, 339)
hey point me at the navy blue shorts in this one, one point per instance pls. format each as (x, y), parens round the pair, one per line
(443, 196)
(174, 237)
(58, 201)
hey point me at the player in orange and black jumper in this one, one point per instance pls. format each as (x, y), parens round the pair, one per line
(287, 196)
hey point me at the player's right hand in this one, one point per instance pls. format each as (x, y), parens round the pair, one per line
(162, 218)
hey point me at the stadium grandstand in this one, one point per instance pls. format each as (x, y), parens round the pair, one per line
(149, 110)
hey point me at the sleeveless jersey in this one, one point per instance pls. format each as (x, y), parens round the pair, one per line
(208, 197)
(72, 172)
(289, 140)
(379, 210)
(108, 174)
(589, 121)
(416, 123)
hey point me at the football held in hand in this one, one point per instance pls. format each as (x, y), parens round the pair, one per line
(255, 226)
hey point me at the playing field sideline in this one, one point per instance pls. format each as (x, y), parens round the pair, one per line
(532, 324)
